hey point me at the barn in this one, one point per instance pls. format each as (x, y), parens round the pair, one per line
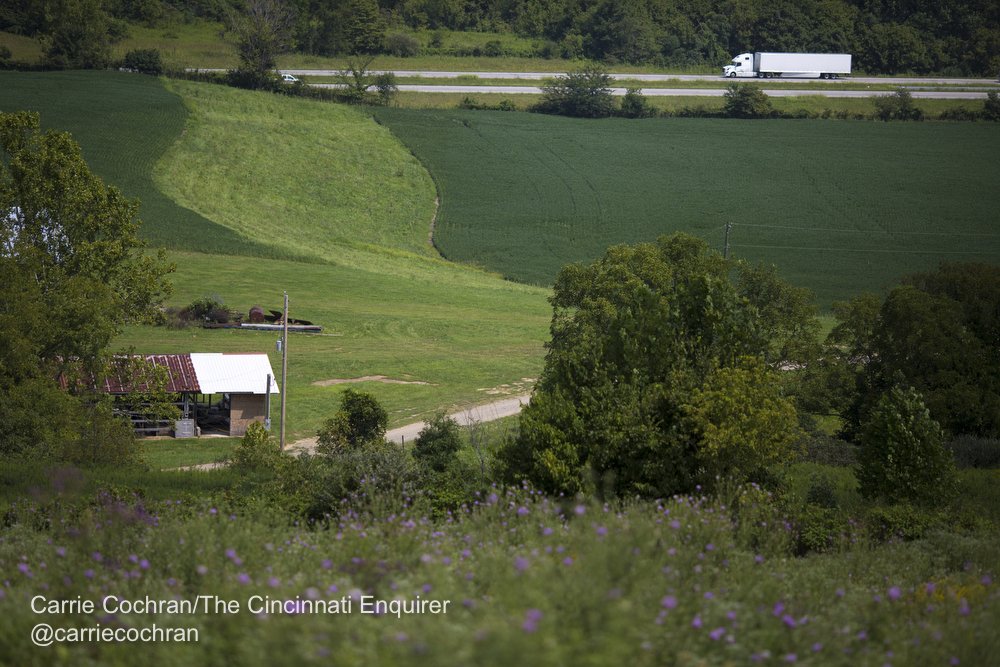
(216, 392)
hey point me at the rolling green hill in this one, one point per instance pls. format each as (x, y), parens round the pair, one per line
(278, 179)
(839, 206)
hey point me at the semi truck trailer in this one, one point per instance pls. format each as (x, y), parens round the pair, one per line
(789, 65)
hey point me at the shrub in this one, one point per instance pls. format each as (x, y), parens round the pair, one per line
(256, 450)
(206, 309)
(361, 420)
(438, 443)
(385, 88)
(635, 105)
(376, 477)
(818, 529)
(402, 45)
(746, 100)
(898, 522)
(959, 113)
(585, 93)
(902, 457)
(144, 61)
(898, 106)
(991, 108)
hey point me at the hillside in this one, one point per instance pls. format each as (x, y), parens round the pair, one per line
(337, 191)
(839, 206)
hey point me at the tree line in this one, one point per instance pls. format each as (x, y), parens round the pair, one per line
(885, 36)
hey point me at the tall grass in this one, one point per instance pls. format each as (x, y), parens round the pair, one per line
(310, 178)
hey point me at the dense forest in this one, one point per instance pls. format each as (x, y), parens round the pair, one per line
(959, 37)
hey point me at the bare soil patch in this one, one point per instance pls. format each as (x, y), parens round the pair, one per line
(367, 378)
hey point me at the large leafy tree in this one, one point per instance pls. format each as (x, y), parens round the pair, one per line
(73, 271)
(263, 30)
(939, 332)
(641, 392)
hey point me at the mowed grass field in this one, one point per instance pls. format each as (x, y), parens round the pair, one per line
(310, 198)
(839, 206)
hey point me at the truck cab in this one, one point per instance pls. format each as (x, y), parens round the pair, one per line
(740, 66)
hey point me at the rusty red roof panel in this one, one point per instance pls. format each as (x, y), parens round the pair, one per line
(180, 375)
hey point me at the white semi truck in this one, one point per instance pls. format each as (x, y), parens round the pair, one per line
(791, 65)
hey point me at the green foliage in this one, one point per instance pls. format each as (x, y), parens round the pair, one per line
(256, 450)
(645, 388)
(73, 268)
(262, 29)
(438, 442)
(742, 424)
(402, 45)
(972, 452)
(898, 106)
(104, 438)
(635, 105)
(903, 457)
(936, 333)
(144, 61)
(80, 35)
(991, 108)
(361, 420)
(899, 522)
(375, 478)
(584, 93)
(746, 100)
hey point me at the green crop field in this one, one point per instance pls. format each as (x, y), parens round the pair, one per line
(273, 179)
(838, 206)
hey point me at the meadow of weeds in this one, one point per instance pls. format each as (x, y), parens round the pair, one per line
(550, 581)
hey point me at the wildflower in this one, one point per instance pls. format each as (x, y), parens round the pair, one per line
(243, 578)
(567, 561)
(580, 510)
(669, 602)
(817, 647)
(696, 621)
(522, 511)
(601, 531)
(788, 621)
(521, 563)
(531, 619)
(894, 593)
(202, 570)
(963, 607)
(717, 634)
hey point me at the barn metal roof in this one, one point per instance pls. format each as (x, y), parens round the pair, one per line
(220, 373)
(180, 375)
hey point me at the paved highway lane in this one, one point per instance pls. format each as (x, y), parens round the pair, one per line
(541, 76)
(685, 92)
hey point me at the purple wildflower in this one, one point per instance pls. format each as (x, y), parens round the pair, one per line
(531, 619)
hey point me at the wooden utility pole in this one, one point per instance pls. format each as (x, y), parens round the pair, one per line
(284, 370)
(725, 248)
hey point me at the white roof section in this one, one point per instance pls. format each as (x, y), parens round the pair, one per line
(220, 373)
